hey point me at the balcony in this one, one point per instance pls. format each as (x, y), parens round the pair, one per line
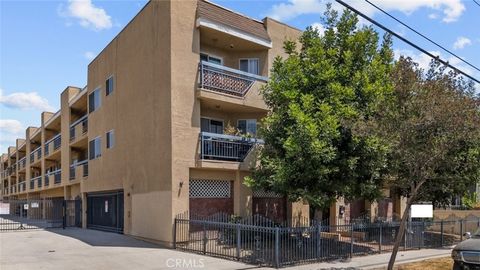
(56, 175)
(79, 170)
(36, 155)
(22, 186)
(35, 180)
(225, 147)
(226, 80)
(22, 163)
(53, 144)
(79, 128)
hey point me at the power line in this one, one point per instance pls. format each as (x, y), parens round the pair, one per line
(420, 34)
(407, 41)
(475, 1)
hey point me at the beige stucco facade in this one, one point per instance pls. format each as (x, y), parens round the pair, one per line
(161, 93)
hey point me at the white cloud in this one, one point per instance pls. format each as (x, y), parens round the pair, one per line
(10, 126)
(432, 16)
(89, 55)
(452, 9)
(424, 60)
(24, 100)
(88, 14)
(461, 42)
(320, 28)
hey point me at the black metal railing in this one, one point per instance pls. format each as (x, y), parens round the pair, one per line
(73, 169)
(83, 121)
(46, 180)
(225, 147)
(282, 246)
(226, 80)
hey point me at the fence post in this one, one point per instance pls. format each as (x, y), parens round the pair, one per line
(319, 241)
(277, 247)
(175, 233)
(64, 217)
(238, 240)
(351, 240)
(380, 239)
(423, 235)
(204, 239)
(441, 233)
(461, 230)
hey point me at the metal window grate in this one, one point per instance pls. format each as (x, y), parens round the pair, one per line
(265, 194)
(203, 188)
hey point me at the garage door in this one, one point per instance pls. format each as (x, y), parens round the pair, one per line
(105, 211)
(210, 197)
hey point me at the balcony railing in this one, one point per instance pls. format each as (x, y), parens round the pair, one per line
(226, 80)
(22, 163)
(82, 165)
(46, 180)
(79, 127)
(53, 144)
(22, 186)
(57, 176)
(37, 152)
(225, 147)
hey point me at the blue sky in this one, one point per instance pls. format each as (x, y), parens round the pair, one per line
(47, 45)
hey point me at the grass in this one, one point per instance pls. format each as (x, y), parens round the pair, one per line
(431, 264)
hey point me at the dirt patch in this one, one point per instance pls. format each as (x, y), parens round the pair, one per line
(432, 264)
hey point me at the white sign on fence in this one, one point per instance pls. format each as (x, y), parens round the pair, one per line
(34, 204)
(421, 211)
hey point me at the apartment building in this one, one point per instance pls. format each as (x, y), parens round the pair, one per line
(166, 125)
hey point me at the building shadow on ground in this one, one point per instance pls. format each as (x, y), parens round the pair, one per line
(101, 238)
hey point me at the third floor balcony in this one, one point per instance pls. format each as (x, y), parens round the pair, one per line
(78, 129)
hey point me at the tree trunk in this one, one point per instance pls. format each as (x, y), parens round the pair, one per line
(400, 233)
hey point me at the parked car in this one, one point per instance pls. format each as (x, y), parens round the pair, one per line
(466, 255)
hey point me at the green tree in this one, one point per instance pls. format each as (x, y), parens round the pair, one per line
(321, 96)
(433, 126)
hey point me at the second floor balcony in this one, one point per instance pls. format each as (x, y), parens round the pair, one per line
(225, 147)
(222, 79)
(54, 176)
(78, 170)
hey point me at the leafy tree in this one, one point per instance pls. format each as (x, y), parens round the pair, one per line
(433, 126)
(321, 96)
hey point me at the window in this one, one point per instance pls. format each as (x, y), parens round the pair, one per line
(94, 100)
(249, 65)
(211, 125)
(109, 86)
(247, 126)
(110, 139)
(211, 59)
(95, 148)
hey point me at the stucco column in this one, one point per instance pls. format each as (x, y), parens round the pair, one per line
(298, 213)
(242, 196)
(339, 212)
(372, 208)
(84, 210)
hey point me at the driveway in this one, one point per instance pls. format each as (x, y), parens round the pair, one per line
(74, 248)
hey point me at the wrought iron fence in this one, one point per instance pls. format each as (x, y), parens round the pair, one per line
(226, 80)
(225, 147)
(39, 213)
(277, 245)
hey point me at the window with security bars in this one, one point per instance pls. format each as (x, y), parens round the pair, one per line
(203, 188)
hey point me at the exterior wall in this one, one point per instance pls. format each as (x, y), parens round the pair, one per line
(139, 59)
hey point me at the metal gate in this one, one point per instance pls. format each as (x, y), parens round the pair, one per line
(73, 213)
(32, 214)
